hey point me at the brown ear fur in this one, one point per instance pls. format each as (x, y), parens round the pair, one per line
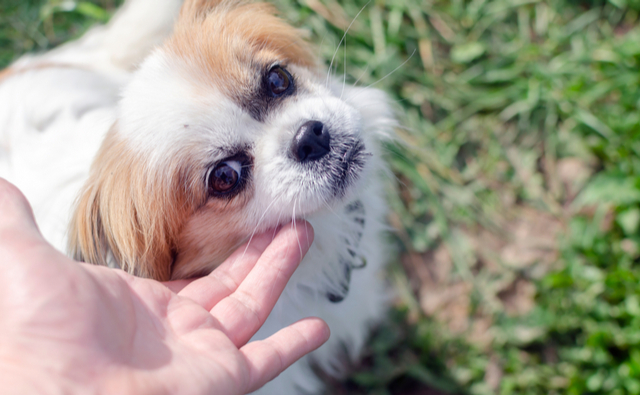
(219, 34)
(129, 213)
(198, 7)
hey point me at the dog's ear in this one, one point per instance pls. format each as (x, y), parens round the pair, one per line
(126, 215)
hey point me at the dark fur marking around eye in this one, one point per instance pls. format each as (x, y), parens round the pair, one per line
(260, 100)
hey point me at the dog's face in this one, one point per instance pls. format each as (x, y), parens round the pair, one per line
(226, 130)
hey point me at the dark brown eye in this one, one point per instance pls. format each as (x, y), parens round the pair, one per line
(279, 81)
(225, 176)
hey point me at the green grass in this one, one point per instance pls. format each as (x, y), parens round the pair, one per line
(37, 25)
(517, 209)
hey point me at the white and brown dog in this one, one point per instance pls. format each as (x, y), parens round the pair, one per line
(172, 135)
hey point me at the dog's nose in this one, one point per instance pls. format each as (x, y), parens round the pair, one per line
(311, 142)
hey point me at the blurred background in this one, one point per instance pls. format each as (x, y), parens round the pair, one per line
(516, 198)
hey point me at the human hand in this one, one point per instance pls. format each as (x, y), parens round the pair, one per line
(67, 327)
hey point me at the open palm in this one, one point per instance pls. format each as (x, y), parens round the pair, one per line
(68, 327)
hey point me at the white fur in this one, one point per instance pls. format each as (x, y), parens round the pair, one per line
(53, 119)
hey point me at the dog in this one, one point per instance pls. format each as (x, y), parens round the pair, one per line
(162, 141)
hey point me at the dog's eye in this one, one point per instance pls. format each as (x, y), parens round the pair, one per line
(225, 176)
(279, 81)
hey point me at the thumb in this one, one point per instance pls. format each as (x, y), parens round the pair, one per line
(15, 212)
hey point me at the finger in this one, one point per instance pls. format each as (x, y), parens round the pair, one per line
(15, 210)
(243, 312)
(268, 358)
(209, 290)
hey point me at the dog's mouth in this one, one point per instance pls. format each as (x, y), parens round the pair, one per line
(337, 172)
(352, 160)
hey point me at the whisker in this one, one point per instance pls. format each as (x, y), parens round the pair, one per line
(393, 71)
(344, 76)
(295, 226)
(297, 237)
(343, 37)
(385, 77)
(275, 228)
(361, 75)
(255, 229)
(306, 229)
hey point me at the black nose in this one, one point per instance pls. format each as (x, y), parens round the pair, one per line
(311, 142)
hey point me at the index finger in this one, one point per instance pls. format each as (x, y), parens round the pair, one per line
(207, 291)
(243, 312)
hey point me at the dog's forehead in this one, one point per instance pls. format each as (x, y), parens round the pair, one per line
(231, 44)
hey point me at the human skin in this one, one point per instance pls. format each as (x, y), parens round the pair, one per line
(68, 327)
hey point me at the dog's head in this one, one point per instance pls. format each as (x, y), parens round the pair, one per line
(229, 128)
